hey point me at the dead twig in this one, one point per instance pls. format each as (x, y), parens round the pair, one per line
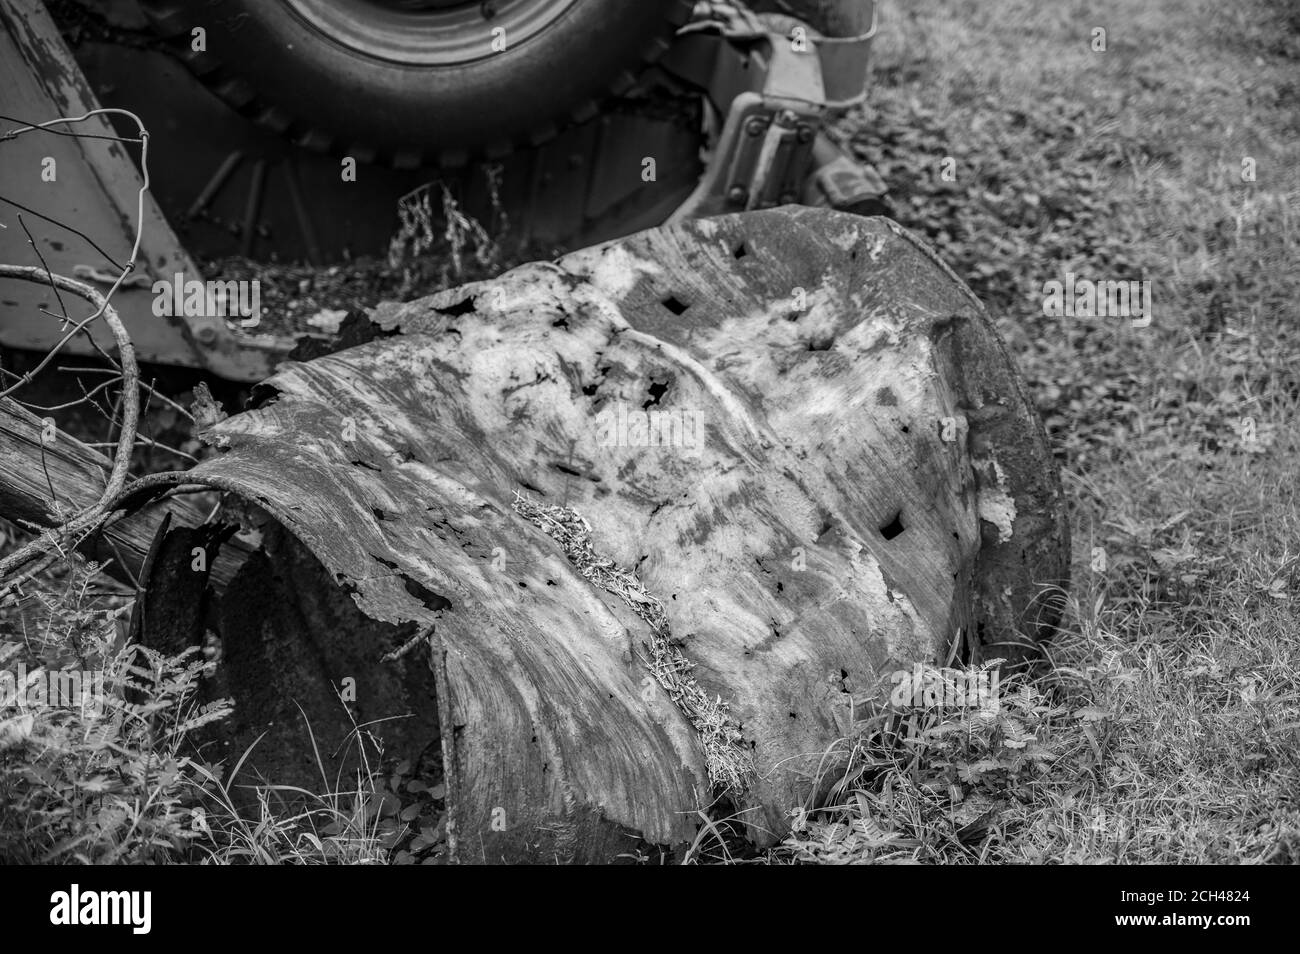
(130, 418)
(88, 520)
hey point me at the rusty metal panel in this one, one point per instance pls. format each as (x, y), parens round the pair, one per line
(95, 189)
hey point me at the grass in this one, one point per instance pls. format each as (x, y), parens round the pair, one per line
(124, 780)
(1168, 714)
(1163, 725)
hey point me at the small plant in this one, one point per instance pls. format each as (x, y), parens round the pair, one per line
(419, 236)
(374, 817)
(119, 778)
(923, 784)
(103, 781)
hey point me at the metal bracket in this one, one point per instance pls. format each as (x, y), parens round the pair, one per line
(777, 82)
(844, 60)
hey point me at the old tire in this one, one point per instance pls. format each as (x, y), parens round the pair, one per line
(413, 81)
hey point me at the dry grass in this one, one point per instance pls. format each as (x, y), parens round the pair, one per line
(726, 757)
(123, 779)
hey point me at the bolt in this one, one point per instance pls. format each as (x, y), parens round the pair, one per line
(755, 126)
(737, 194)
(787, 117)
(804, 133)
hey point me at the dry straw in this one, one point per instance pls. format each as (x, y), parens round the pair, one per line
(726, 755)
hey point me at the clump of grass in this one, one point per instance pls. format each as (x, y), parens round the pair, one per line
(924, 785)
(1136, 750)
(448, 230)
(102, 781)
(120, 778)
(438, 244)
(371, 817)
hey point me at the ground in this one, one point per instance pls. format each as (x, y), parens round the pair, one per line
(1163, 727)
(1168, 727)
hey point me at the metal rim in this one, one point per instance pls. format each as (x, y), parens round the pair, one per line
(429, 32)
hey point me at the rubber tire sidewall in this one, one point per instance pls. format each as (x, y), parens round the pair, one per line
(351, 101)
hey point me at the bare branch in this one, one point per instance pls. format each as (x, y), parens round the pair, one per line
(130, 413)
